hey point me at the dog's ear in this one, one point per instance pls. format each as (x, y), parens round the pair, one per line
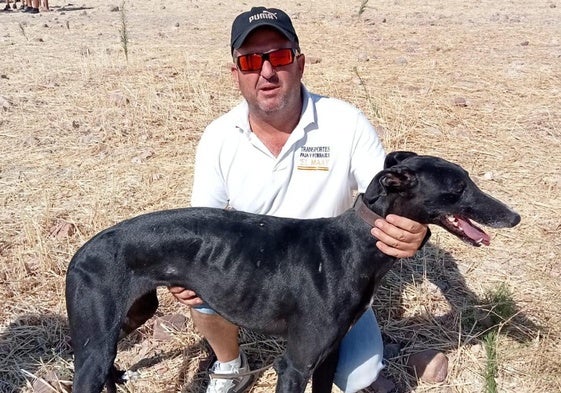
(398, 179)
(395, 157)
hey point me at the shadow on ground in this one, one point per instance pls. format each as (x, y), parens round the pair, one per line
(468, 318)
(28, 342)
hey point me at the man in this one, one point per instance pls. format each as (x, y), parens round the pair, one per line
(286, 152)
(32, 7)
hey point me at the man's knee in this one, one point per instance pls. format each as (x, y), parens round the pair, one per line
(360, 355)
(364, 375)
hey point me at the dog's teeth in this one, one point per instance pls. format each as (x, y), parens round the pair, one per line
(452, 219)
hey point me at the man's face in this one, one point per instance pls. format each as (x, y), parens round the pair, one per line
(271, 89)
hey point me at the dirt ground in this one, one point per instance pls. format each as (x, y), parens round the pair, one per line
(88, 138)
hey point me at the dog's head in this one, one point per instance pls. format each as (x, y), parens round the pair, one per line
(432, 190)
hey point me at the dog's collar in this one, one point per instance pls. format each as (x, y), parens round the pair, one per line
(367, 215)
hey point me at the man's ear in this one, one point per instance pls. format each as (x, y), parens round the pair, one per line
(301, 61)
(398, 179)
(235, 75)
(395, 157)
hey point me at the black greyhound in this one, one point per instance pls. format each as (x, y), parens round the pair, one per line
(306, 280)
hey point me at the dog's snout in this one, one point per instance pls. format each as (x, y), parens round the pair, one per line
(515, 219)
(508, 219)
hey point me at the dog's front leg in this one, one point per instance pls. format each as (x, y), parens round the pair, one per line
(290, 378)
(324, 374)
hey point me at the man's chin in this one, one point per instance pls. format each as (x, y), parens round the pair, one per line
(271, 106)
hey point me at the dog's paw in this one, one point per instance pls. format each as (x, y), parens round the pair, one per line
(130, 376)
(120, 377)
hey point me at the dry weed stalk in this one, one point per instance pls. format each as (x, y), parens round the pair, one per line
(362, 7)
(124, 30)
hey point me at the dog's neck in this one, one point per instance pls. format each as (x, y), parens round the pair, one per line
(364, 212)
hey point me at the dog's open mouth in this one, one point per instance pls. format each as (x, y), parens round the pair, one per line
(465, 230)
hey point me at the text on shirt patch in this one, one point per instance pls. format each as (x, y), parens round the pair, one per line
(314, 158)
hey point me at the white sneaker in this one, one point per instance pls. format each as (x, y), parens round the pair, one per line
(229, 381)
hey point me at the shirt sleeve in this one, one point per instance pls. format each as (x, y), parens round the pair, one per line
(368, 154)
(209, 188)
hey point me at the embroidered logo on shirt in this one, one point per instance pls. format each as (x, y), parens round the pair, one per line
(314, 158)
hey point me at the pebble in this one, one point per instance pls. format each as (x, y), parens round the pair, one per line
(167, 323)
(429, 366)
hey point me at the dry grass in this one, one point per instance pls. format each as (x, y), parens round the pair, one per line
(88, 139)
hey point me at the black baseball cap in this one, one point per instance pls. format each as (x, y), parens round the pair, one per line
(248, 21)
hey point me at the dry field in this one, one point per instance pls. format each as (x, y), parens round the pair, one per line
(88, 138)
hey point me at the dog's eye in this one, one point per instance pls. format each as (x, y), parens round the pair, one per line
(454, 193)
(461, 187)
(458, 188)
(449, 197)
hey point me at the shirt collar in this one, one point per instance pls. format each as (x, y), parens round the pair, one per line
(308, 118)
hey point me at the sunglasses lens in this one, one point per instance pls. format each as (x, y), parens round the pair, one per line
(281, 57)
(254, 61)
(251, 62)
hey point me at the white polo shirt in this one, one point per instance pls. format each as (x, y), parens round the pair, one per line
(333, 151)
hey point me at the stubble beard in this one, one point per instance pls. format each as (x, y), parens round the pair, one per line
(267, 107)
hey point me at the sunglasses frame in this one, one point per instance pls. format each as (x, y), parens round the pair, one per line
(266, 57)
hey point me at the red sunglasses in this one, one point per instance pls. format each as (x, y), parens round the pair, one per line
(277, 58)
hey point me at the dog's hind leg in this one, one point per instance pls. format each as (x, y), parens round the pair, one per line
(94, 339)
(95, 316)
(95, 347)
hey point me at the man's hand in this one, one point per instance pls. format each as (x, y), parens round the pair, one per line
(186, 296)
(398, 236)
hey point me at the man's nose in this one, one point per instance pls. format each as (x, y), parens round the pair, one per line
(267, 70)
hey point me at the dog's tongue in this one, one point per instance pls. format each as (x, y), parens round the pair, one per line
(473, 232)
